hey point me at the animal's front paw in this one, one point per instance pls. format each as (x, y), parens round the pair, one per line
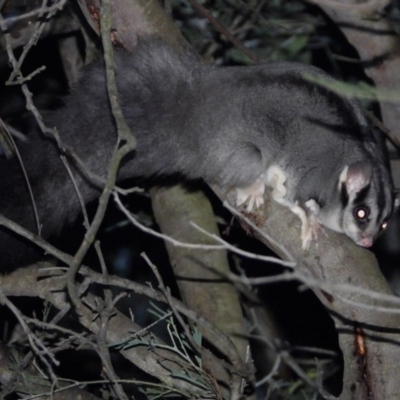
(310, 231)
(252, 195)
(310, 224)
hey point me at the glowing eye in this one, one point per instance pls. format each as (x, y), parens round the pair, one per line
(361, 213)
(384, 225)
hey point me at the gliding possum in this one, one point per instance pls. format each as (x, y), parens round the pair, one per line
(237, 127)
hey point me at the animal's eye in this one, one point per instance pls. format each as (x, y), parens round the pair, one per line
(361, 213)
(384, 225)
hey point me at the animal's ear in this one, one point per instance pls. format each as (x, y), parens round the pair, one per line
(356, 176)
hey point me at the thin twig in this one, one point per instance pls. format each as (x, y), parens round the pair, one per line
(220, 28)
(178, 243)
(47, 9)
(215, 336)
(26, 178)
(77, 191)
(263, 234)
(116, 159)
(27, 234)
(168, 298)
(36, 344)
(244, 253)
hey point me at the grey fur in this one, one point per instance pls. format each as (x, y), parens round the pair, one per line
(225, 125)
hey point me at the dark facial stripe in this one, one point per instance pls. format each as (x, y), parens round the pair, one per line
(362, 194)
(344, 196)
(381, 198)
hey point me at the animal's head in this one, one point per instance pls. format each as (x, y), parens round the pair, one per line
(366, 202)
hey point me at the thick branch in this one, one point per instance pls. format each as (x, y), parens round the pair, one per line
(336, 260)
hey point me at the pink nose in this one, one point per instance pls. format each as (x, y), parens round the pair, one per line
(366, 242)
